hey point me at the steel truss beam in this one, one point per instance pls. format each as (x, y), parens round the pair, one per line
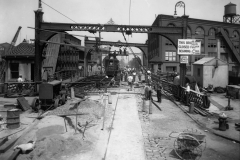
(111, 28)
(116, 44)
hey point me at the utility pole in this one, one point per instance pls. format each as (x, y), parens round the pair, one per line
(183, 66)
(38, 54)
(100, 51)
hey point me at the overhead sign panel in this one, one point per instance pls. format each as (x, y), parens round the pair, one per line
(189, 46)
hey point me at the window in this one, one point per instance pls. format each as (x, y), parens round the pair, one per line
(14, 67)
(189, 33)
(199, 31)
(212, 45)
(211, 32)
(236, 39)
(170, 56)
(198, 72)
(222, 44)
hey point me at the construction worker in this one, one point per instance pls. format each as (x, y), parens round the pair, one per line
(148, 76)
(20, 86)
(130, 81)
(20, 79)
(134, 75)
(140, 75)
(187, 93)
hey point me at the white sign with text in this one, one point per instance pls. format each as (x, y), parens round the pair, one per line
(184, 59)
(189, 46)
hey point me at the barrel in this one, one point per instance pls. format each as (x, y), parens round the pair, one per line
(13, 120)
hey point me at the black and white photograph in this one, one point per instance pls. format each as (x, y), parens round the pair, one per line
(119, 80)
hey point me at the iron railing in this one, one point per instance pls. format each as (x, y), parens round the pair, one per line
(200, 100)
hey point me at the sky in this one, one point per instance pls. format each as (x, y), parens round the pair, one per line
(15, 13)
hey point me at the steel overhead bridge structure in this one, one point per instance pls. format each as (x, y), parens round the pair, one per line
(41, 33)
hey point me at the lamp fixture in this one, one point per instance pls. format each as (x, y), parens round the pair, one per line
(179, 4)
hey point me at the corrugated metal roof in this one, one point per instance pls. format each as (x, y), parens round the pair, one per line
(204, 60)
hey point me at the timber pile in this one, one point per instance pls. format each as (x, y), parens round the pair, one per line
(202, 111)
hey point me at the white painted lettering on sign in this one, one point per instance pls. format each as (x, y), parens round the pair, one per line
(189, 46)
(184, 59)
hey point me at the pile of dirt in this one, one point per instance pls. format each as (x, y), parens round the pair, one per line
(56, 147)
(91, 110)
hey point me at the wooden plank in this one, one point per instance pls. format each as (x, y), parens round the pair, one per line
(200, 112)
(156, 105)
(8, 145)
(14, 154)
(23, 103)
(2, 141)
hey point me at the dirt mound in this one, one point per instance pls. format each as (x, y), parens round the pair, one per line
(56, 147)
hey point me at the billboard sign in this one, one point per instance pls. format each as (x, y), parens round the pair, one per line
(189, 47)
(184, 59)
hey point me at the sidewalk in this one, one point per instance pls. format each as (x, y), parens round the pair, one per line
(218, 104)
(171, 118)
(126, 142)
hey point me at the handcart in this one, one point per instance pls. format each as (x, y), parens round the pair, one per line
(189, 144)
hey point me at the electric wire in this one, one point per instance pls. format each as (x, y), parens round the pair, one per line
(58, 12)
(135, 56)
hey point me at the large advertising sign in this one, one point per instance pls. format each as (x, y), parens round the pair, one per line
(189, 46)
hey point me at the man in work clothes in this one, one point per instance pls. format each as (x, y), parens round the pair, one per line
(130, 83)
(140, 75)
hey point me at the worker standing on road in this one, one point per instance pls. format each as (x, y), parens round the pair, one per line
(140, 75)
(149, 77)
(134, 75)
(176, 81)
(20, 86)
(187, 93)
(130, 83)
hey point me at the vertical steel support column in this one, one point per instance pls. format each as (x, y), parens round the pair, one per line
(218, 47)
(85, 69)
(38, 54)
(184, 36)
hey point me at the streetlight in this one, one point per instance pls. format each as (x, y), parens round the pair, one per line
(184, 36)
(179, 4)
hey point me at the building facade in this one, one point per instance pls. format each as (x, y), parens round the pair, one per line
(214, 43)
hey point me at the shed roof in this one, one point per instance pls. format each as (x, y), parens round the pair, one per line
(209, 61)
(204, 60)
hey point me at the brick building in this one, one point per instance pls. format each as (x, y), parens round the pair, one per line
(218, 39)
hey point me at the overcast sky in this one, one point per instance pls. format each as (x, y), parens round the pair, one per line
(15, 13)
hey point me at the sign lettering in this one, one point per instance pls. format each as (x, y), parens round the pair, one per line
(189, 47)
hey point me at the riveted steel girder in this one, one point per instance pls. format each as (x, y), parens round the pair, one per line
(111, 28)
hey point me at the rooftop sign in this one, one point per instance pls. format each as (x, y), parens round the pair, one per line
(189, 46)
